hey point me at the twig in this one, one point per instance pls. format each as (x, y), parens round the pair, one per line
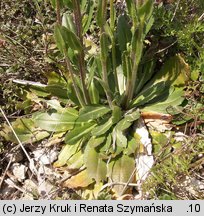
(20, 143)
(12, 184)
(13, 40)
(118, 183)
(73, 174)
(201, 17)
(159, 51)
(128, 182)
(175, 10)
(3, 177)
(27, 82)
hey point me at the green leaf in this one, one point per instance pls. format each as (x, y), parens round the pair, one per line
(92, 112)
(94, 93)
(96, 141)
(126, 64)
(175, 98)
(108, 31)
(121, 139)
(65, 39)
(26, 131)
(144, 75)
(116, 114)
(102, 129)
(78, 181)
(71, 93)
(129, 5)
(104, 86)
(57, 90)
(68, 3)
(120, 170)
(104, 45)
(137, 42)
(55, 121)
(67, 21)
(132, 116)
(127, 121)
(151, 93)
(100, 13)
(145, 11)
(59, 38)
(96, 167)
(123, 32)
(53, 2)
(57, 86)
(55, 104)
(71, 39)
(87, 18)
(132, 10)
(107, 145)
(173, 73)
(121, 79)
(149, 25)
(132, 147)
(123, 125)
(78, 133)
(75, 162)
(66, 153)
(54, 78)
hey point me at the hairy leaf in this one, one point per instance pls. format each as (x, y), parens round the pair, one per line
(94, 93)
(26, 131)
(145, 11)
(127, 121)
(66, 153)
(78, 133)
(173, 73)
(92, 112)
(104, 45)
(96, 141)
(120, 170)
(175, 98)
(81, 180)
(121, 139)
(116, 114)
(96, 167)
(87, 18)
(55, 121)
(123, 32)
(67, 21)
(59, 39)
(103, 128)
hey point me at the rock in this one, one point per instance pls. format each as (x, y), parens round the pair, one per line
(19, 171)
(45, 156)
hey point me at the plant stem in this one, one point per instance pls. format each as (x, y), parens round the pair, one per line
(69, 68)
(82, 68)
(58, 12)
(114, 64)
(104, 6)
(131, 84)
(112, 19)
(104, 61)
(136, 57)
(112, 25)
(105, 79)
